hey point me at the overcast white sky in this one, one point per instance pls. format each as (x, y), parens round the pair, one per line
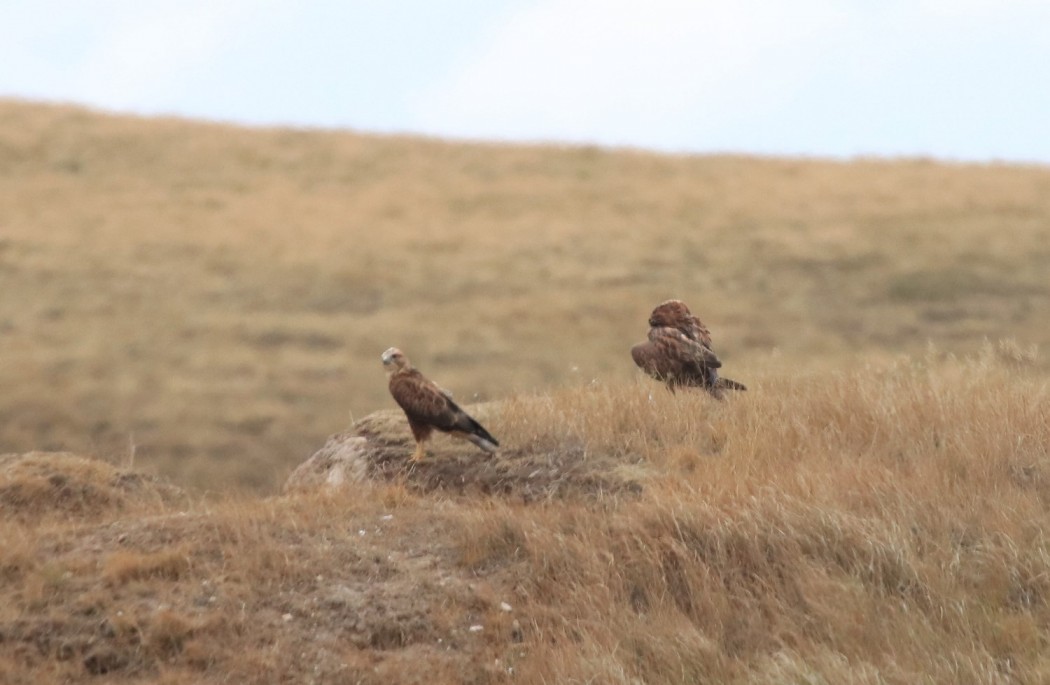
(953, 79)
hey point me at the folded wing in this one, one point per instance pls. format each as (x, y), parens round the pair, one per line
(427, 407)
(671, 356)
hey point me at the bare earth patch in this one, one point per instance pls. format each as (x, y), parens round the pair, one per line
(378, 447)
(314, 589)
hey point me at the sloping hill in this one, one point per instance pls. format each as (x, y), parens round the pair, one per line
(212, 300)
(883, 524)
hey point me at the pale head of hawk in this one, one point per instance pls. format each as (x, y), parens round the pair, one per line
(394, 359)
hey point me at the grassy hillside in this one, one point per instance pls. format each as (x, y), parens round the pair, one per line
(210, 302)
(885, 524)
(199, 306)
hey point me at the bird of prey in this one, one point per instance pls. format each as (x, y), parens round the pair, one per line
(678, 351)
(428, 407)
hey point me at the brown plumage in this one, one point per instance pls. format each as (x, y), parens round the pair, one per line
(427, 406)
(674, 314)
(678, 351)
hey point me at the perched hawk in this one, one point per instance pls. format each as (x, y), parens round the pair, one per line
(428, 407)
(678, 351)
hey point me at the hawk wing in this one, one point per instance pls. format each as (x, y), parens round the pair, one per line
(670, 355)
(428, 406)
(695, 329)
(679, 352)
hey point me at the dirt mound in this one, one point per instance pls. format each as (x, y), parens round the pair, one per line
(379, 446)
(252, 590)
(38, 484)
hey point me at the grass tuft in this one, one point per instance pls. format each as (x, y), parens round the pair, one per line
(123, 567)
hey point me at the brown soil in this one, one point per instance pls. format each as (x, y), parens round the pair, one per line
(543, 469)
(122, 584)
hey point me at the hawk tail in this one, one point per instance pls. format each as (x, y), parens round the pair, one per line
(724, 383)
(481, 437)
(489, 444)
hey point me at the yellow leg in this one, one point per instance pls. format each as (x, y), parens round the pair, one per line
(419, 453)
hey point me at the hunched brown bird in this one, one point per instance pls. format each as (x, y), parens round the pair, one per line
(678, 351)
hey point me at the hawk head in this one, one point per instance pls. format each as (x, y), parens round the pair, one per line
(394, 360)
(669, 314)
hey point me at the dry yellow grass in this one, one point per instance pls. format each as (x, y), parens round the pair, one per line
(213, 300)
(209, 303)
(879, 524)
